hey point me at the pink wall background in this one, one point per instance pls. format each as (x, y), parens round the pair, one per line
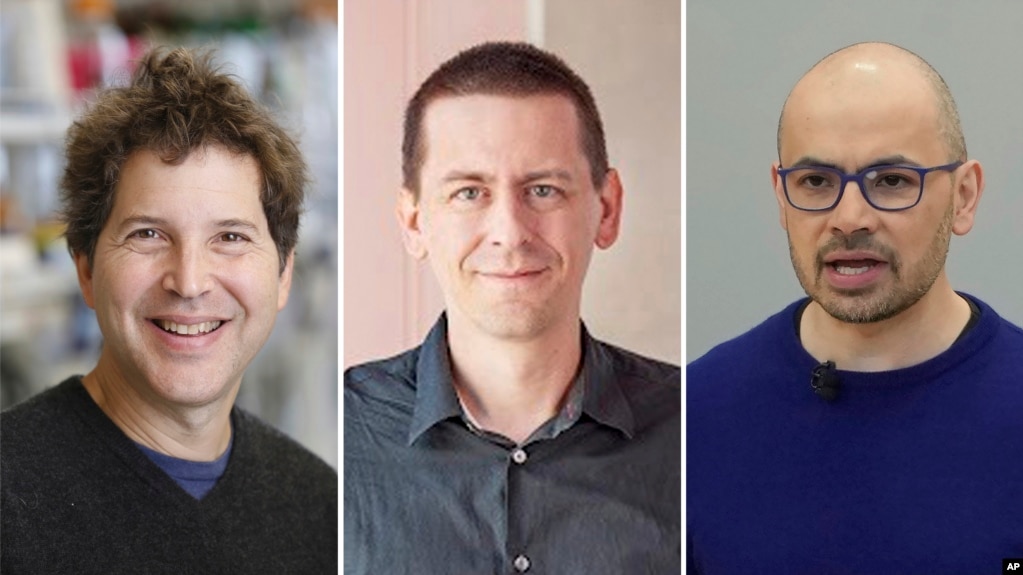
(390, 300)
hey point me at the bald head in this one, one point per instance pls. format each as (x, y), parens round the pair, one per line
(875, 70)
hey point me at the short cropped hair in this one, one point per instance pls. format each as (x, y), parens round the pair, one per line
(177, 103)
(503, 69)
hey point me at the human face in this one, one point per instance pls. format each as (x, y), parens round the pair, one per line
(507, 212)
(185, 278)
(860, 264)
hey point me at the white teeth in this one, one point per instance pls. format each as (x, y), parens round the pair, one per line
(194, 329)
(848, 271)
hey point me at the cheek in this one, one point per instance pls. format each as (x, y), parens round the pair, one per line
(118, 287)
(572, 239)
(451, 240)
(804, 229)
(804, 240)
(255, 284)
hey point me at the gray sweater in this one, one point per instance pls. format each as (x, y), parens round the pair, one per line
(79, 497)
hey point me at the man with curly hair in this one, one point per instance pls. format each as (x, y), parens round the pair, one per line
(182, 198)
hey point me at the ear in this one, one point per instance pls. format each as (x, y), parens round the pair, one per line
(84, 278)
(408, 213)
(779, 195)
(284, 281)
(610, 210)
(967, 196)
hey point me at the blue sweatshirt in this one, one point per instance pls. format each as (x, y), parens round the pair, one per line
(916, 470)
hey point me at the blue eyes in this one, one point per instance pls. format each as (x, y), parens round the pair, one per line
(540, 191)
(543, 191)
(468, 194)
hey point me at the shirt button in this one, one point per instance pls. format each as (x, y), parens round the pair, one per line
(519, 456)
(521, 563)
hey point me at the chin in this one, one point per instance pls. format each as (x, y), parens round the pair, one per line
(867, 313)
(189, 390)
(513, 322)
(867, 308)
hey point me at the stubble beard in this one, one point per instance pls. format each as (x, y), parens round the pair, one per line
(879, 302)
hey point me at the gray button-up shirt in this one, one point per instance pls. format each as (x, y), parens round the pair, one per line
(594, 490)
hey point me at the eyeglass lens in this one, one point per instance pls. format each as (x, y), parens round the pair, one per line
(886, 187)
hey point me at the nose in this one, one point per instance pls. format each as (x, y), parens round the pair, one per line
(510, 220)
(188, 273)
(853, 213)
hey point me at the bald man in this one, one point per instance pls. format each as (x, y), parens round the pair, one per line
(876, 425)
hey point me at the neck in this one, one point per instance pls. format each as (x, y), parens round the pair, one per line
(512, 387)
(915, 335)
(195, 433)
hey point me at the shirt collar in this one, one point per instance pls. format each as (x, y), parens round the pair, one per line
(604, 399)
(436, 400)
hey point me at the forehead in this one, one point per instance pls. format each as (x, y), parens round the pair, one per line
(488, 128)
(861, 111)
(207, 177)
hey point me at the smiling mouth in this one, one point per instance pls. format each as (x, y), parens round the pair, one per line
(515, 275)
(201, 328)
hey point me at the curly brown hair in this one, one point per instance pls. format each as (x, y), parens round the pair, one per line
(503, 69)
(177, 102)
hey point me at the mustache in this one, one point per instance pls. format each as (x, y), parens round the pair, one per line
(857, 241)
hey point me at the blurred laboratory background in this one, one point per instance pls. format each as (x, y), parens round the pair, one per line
(54, 54)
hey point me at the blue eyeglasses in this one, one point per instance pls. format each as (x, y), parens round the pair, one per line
(890, 188)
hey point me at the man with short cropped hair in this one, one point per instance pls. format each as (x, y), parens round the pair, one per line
(510, 440)
(873, 426)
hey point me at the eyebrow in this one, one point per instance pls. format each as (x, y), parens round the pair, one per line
(142, 220)
(237, 223)
(132, 221)
(896, 160)
(555, 174)
(474, 176)
(463, 175)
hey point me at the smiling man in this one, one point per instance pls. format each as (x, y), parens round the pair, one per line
(510, 440)
(182, 199)
(872, 427)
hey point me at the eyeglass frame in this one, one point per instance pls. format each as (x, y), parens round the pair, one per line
(858, 178)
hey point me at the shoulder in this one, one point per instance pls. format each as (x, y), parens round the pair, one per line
(278, 455)
(394, 376)
(38, 418)
(757, 352)
(383, 390)
(633, 369)
(43, 403)
(998, 336)
(1007, 329)
(651, 388)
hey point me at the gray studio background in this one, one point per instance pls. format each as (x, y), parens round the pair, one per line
(743, 57)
